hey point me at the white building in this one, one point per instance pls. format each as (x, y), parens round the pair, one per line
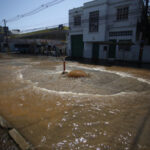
(105, 29)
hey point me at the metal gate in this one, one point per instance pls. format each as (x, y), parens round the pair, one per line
(95, 51)
(112, 49)
(77, 46)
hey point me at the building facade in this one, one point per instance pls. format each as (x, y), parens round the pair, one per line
(105, 29)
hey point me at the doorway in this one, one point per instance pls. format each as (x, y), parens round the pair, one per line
(112, 49)
(95, 51)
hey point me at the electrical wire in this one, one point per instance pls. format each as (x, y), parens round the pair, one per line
(101, 19)
(35, 11)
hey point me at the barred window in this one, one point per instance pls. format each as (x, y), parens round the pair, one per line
(122, 13)
(77, 20)
(120, 33)
(94, 21)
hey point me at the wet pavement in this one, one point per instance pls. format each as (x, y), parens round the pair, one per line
(108, 110)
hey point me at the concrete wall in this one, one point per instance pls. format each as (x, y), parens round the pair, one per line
(101, 34)
(108, 23)
(146, 54)
(87, 50)
(131, 55)
(72, 13)
(113, 25)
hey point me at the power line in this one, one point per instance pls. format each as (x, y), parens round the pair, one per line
(133, 13)
(35, 11)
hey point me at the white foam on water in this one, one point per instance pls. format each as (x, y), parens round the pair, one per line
(43, 139)
(74, 94)
(22, 80)
(19, 72)
(53, 72)
(79, 94)
(142, 80)
(35, 63)
(122, 74)
(19, 75)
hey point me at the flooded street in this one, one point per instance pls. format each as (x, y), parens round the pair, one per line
(109, 110)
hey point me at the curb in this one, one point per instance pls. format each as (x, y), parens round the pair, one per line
(18, 138)
(15, 135)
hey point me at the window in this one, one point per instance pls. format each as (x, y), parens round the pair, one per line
(120, 33)
(122, 13)
(125, 45)
(77, 20)
(94, 21)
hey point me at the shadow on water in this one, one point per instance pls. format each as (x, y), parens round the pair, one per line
(110, 63)
(142, 126)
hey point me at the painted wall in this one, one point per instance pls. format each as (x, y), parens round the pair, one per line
(131, 55)
(108, 23)
(101, 34)
(72, 13)
(146, 54)
(87, 50)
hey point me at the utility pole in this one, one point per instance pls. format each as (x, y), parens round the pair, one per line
(147, 2)
(144, 32)
(6, 33)
(4, 23)
(146, 18)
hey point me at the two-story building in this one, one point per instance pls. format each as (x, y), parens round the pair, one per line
(105, 29)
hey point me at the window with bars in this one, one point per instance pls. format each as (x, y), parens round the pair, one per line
(94, 21)
(122, 13)
(120, 33)
(77, 20)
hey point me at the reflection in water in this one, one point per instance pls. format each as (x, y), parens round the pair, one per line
(106, 111)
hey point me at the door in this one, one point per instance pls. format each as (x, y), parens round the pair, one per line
(95, 51)
(112, 49)
(77, 46)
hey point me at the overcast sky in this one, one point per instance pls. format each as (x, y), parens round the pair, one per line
(54, 15)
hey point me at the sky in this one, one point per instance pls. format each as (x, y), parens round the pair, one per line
(51, 16)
